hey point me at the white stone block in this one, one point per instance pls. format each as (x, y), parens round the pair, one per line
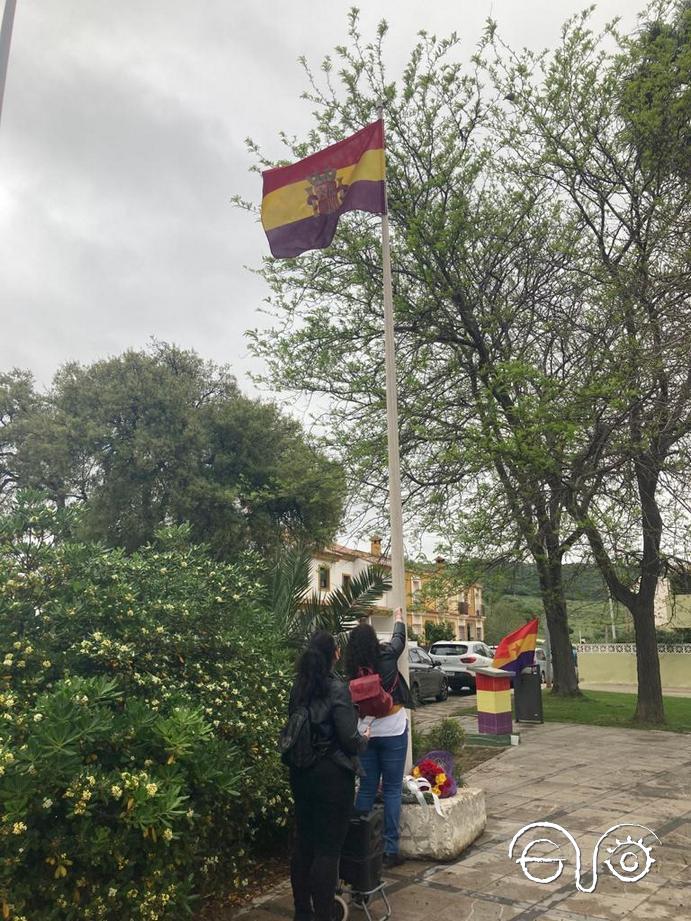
(427, 835)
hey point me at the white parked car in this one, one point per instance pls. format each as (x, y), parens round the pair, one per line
(541, 661)
(455, 656)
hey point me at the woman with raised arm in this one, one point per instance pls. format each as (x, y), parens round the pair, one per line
(384, 759)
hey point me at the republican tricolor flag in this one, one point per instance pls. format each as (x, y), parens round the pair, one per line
(302, 203)
(517, 650)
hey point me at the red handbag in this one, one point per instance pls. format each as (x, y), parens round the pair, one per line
(368, 694)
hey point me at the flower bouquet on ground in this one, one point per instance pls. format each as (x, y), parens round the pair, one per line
(437, 768)
(431, 780)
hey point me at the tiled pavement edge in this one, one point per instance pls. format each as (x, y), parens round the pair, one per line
(585, 779)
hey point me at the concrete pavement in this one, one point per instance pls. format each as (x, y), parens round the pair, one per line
(585, 779)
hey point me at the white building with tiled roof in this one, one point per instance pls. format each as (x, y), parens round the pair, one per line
(335, 565)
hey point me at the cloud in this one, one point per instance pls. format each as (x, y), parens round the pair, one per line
(122, 142)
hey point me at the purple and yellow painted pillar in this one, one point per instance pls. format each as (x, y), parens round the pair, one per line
(493, 702)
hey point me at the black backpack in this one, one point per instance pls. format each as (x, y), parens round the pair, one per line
(295, 742)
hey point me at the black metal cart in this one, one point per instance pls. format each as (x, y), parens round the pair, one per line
(360, 869)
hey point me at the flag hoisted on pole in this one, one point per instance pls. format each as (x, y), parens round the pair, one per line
(302, 203)
(301, 207)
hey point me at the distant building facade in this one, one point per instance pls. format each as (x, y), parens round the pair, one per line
(426, 598)
(432, 600)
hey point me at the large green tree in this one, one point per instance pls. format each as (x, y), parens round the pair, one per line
(516, 386)
(486, 317)
(161, 436)
(603, 123)
(17, 398)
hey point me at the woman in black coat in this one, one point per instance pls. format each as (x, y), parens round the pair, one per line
(324, 792)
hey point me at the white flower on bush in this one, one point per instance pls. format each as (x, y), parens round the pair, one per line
(47, 803)
(116, 791)
(151, 789)
(18, 828)
(168, 834)
(38, 717)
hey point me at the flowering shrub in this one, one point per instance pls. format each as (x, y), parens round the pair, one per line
(138, 695)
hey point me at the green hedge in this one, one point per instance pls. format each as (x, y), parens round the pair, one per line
(140, 699)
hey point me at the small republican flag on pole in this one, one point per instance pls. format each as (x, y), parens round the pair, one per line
(517, 650)
(302, 203)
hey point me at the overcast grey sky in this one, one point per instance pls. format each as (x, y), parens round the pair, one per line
(121, 144)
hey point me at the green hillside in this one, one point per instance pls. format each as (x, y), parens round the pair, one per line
(589, 620)
(581, 581)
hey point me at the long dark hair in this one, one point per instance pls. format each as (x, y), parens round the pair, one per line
(362, 650)
(314, 667)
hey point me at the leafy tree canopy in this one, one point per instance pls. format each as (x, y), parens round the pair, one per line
(163, 437)
(540, 261)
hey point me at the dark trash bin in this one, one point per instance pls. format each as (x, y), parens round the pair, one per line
(527, 696)
(363, 851)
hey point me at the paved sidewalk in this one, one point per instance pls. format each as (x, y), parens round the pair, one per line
(430, 713)
(585, 779)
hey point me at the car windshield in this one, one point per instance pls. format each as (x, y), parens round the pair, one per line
(447, 649)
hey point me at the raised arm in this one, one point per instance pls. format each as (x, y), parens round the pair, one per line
(398, 635)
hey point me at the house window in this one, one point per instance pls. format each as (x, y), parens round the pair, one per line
(347, 582)
(323, 578)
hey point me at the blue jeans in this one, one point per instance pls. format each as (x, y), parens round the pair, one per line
(384, 758)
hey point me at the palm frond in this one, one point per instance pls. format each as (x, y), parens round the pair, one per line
(289, 586)
(355, 599)
(300, 614)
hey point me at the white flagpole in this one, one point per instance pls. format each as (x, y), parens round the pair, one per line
(5, 36)
(395, 505)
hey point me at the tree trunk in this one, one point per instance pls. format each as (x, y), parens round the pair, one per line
(649, 706)
(565, 682)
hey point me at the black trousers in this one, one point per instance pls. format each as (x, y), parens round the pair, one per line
(323, 806)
